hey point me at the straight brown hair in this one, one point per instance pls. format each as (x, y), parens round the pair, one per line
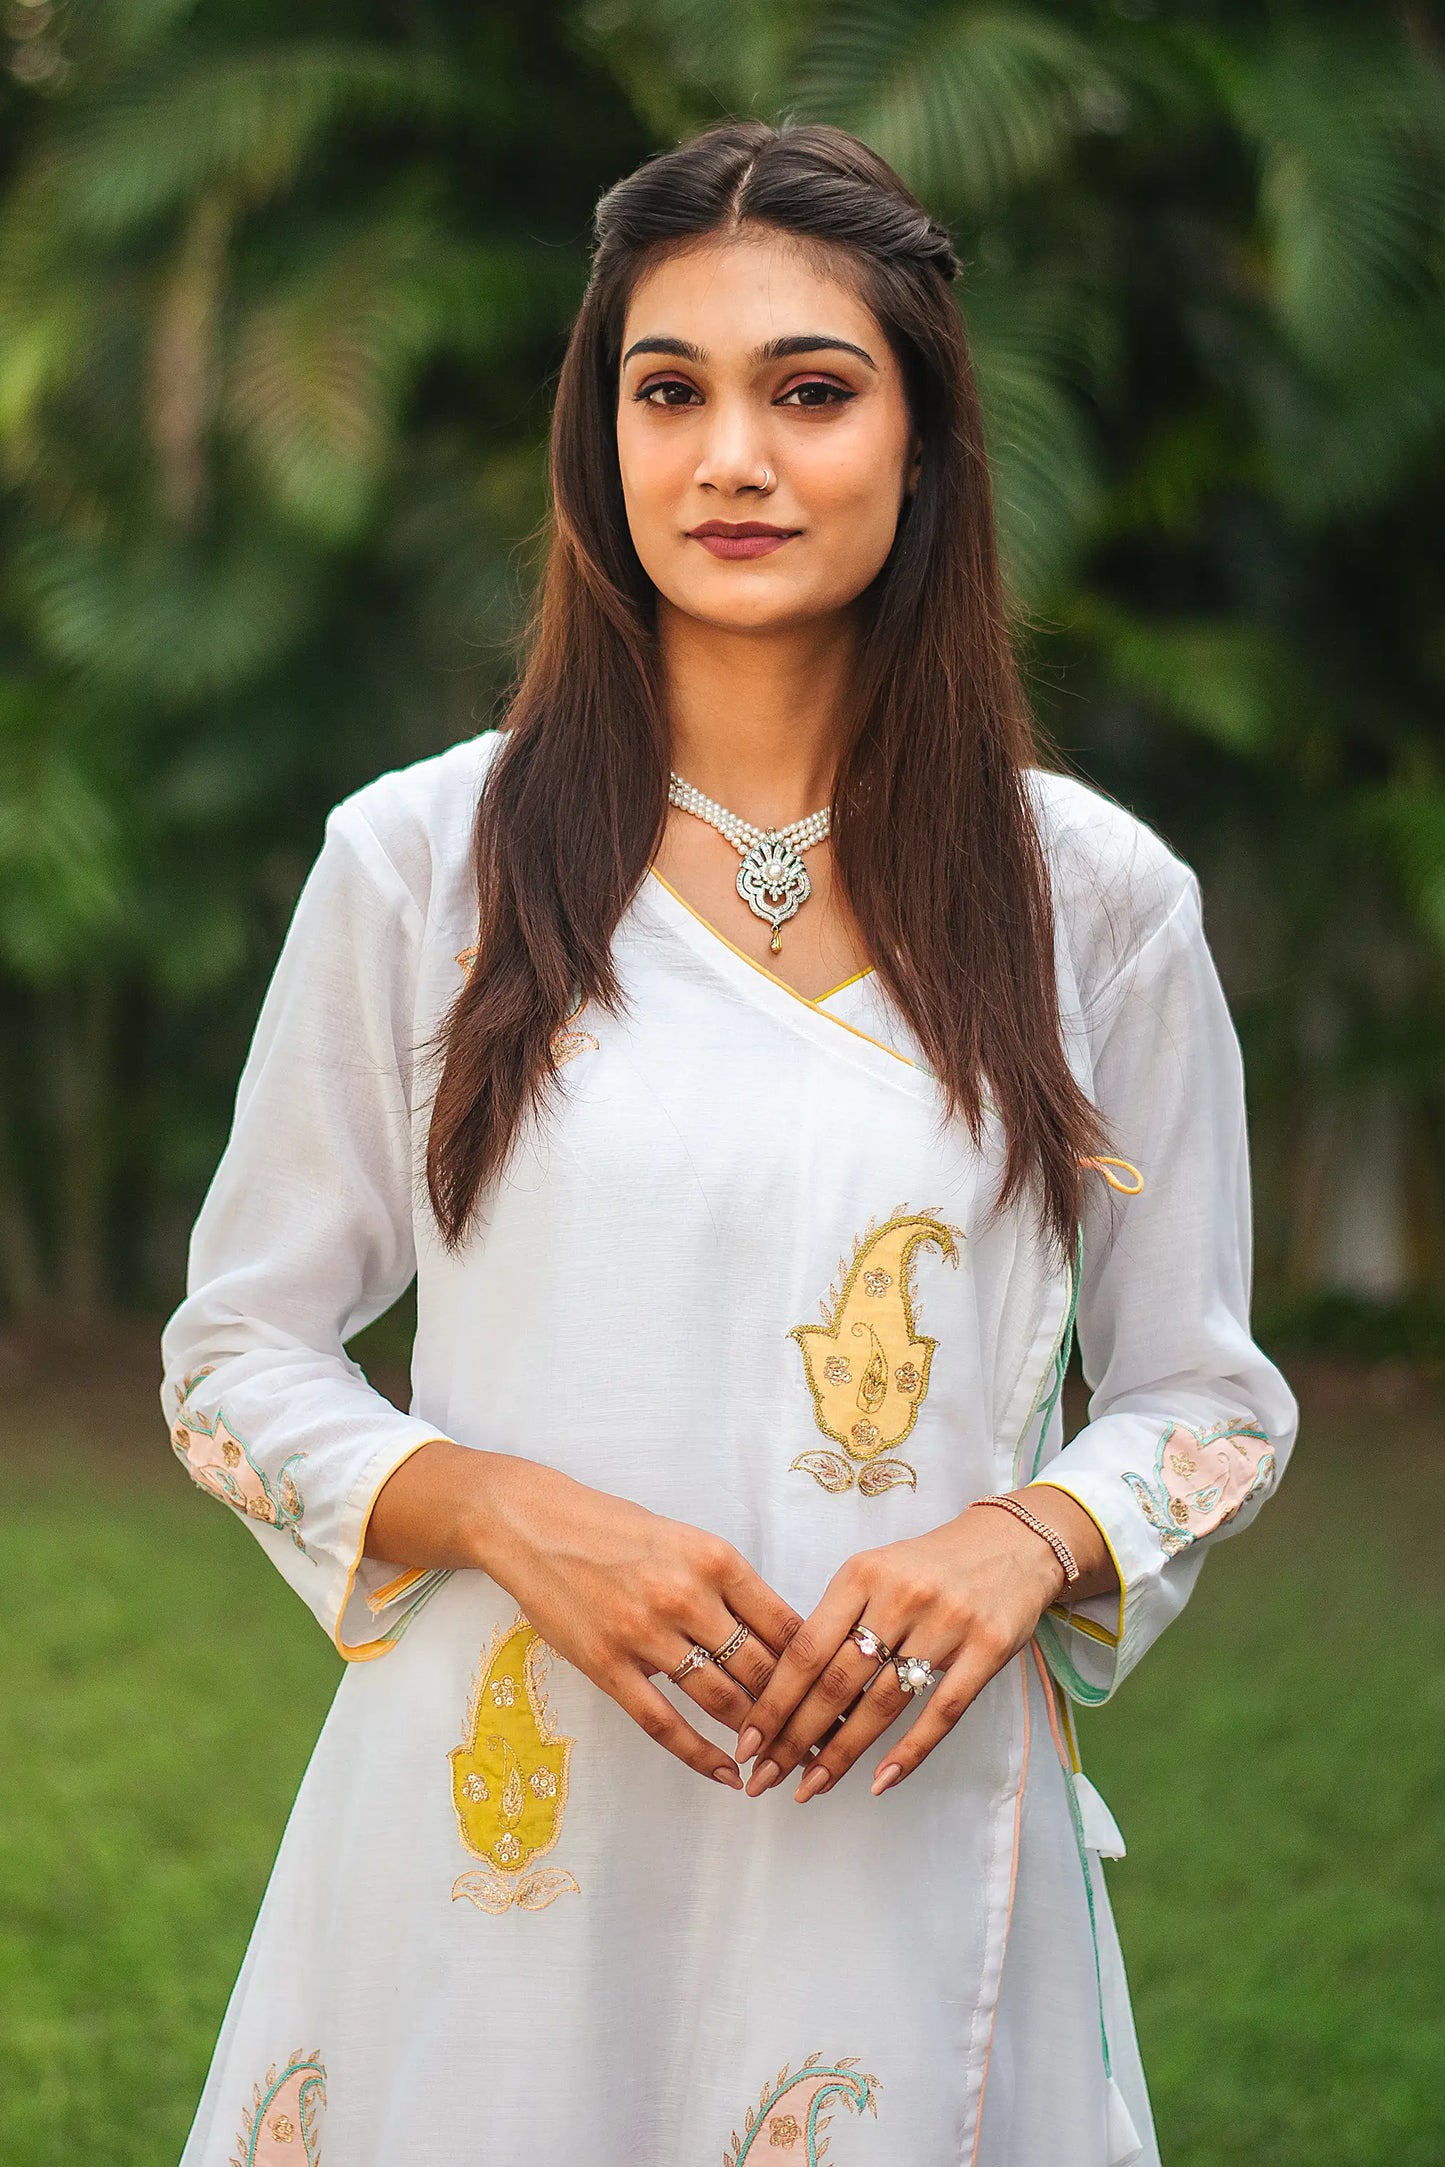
(935, 844)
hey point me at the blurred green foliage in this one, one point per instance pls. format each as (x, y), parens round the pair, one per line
(281, 292)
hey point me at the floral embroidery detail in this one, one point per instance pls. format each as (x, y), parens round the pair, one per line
(287, 2107)
(566, 1045)
(872, 1418)
(511, 1741)
(1201, 1479)
(817, 2086)
(219, 1461)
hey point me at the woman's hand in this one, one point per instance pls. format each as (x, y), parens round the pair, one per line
(619, 1591)
(967, 1596)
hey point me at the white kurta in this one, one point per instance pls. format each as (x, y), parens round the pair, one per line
(504, 1925)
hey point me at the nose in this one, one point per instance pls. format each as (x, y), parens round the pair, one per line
(734, 456)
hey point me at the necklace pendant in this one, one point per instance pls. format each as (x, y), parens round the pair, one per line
(773, 882)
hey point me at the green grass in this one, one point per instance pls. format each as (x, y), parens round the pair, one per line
(1277, 1764)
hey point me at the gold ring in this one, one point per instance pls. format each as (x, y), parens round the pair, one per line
(693, 1660)
(731, 1645)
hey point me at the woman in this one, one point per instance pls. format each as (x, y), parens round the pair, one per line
(756, 941)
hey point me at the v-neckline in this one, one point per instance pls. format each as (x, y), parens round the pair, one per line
(705, 938)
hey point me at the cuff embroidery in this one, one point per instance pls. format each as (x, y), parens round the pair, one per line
(1201, 1479)
(220, 1462)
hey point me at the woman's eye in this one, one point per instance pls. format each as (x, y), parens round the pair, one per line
(666, 391)
(817, 393)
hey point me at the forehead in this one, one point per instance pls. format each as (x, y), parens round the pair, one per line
(735, 293)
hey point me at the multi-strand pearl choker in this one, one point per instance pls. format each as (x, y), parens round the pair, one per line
(772, 879)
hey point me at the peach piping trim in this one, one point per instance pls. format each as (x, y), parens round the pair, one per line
(781, 984)
(366, 1651)
(1047, 1482)
(1048, 1685)
(1013, 1882)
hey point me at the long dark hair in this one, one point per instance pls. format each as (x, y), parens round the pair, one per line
(935, 845)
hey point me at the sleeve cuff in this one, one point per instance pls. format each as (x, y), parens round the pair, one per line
(371, 1587)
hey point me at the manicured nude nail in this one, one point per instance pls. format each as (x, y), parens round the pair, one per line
(885, 1776)
(764, 1774)
(731, 1776)
(811, 1784)
(749, 1739)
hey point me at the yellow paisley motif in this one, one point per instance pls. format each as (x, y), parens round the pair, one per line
(869, 1408)
(509, 1778)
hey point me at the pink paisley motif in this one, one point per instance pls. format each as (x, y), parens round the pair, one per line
(793, 2112)
(218, 1461)
(282, 2125)
(1202, 1478)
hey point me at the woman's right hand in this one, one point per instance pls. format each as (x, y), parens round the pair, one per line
(619, 1591)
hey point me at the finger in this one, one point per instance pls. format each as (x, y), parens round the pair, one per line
(651, 1709)
(847, 1675)
(979, 1660)
(810, 1649)
(711, 1684)
(771, 1622)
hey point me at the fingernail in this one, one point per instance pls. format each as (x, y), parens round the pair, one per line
(811, 1784)
(885, 1776)
(732, 1777)
(749, 1739)
(764, 1773)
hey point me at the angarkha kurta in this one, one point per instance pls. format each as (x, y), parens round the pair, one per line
(743, 1273)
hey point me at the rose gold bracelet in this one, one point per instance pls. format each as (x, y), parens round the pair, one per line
(1055, 1542)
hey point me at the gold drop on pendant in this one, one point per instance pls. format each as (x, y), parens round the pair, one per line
(776, 943)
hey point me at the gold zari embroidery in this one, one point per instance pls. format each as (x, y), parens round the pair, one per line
(872, 1305)
(511, 1749)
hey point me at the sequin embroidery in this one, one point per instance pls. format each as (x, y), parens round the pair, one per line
(811, 2092)
(1201, 1479)
(511, 1749)
(869, 1412)
(287, 2107)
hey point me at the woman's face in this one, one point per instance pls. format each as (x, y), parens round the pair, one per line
(757, 393)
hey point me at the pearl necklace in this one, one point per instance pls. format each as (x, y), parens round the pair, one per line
(772, 879)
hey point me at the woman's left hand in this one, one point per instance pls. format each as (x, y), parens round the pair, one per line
(966, 1596)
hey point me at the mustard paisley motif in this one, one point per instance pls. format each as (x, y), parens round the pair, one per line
(866, 1368)
(1201, 1479)
(282, 2125)
(509, 1779)
(789, 2118)
(216, 1459)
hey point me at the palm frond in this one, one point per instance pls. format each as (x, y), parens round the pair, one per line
(969, 103)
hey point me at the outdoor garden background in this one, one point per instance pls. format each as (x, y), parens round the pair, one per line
(282, 290)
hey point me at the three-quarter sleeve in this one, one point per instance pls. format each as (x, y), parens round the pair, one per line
(305, 1236)
(1189, 1424)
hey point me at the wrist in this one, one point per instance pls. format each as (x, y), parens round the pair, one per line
(1055, 1560)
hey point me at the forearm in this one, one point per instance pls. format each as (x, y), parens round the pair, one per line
(450, 1507)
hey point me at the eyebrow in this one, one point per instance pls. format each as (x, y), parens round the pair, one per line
(799, 342)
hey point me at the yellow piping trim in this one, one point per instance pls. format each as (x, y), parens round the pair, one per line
(1083, 1625)
(1079, 1625)
(781, 983)
(856, 979)
(366, 1651)
(1101, 1166)
(393, 1588)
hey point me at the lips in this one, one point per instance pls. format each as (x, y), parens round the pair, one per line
(746, 538)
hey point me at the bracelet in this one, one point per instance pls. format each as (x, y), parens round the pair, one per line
(1055, 1541)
